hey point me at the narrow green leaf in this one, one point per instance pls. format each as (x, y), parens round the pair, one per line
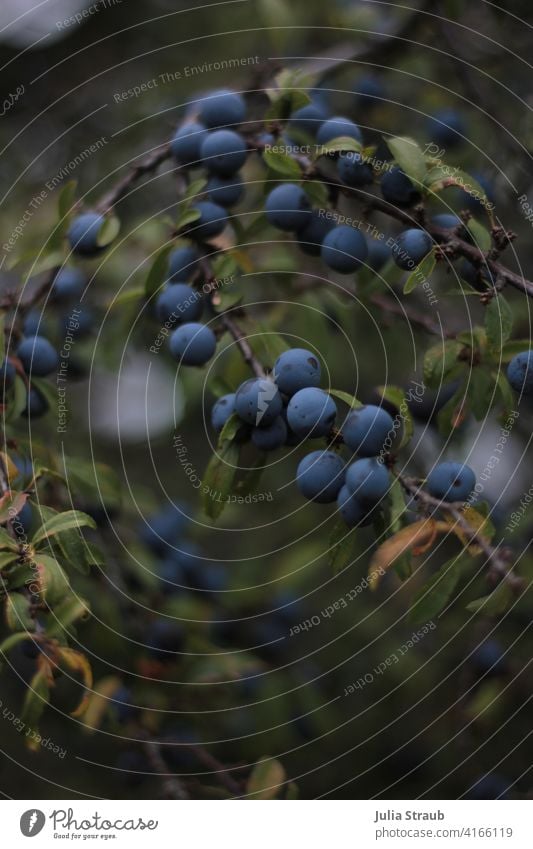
(266, 780)
(55, 583)
(186, 217)
(65, 200)
(283, 164)
(341, 546)
(409, 157)
(158, 273)
(338, 145)
(218, 479)
(435, 595)
(514, 347)
(65, 613)
(108, 231)
(351, 400)
(397, 396)
(439, 362)
(421, 273)
(37, 697)
(498, 323)
(18, 615)
(480, 234)
(494, 604)
(63, 522)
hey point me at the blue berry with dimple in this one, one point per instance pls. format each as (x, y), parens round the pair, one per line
(38, 356)
(222, 108)
(352, 170)
(288, 207)
(320, 476)
(83, 234)
(213, 218)
(311, 236)
(397, 188)
(68, 285)
(193, 344)
(520, 373)
(311, 412)
(344, 249)
(226, 191)
(336, 127)
(258, 401)
(179, 302)
(183, 262)
(222, 410)
(410, 248)
(272, 437)
(224, 152)
(368, 480)
(307, 119)
(296, 369)
(366, 429)
(451, 481)
(187, 143)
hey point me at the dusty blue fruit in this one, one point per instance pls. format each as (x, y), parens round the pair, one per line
(320, 476)
(410, 248)
(311, 412)
(451, 481)
(83, 234)
(296, 369)
(368, 480)
(222, 108)
(226, 191)
(272, 437)
(344, 249)
(258, 401)
(366, 429)
(183, 263)
(213, 219)
(288, 207)
(68, 285)
(336, 127)
(187, 143)
(193, 344)
(520, 373)
(179, 303)
(38, 356)
(353, 171)
(398, 189)
(224, 152)
(221, 411)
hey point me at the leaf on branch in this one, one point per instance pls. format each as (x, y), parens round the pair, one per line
(266, 779)
(65, 201)
(408, 155)
(495, 604)
(417, 538)
(158, 273)
(440, 362)
(282, 163)
(341, 545)
(351, 400)
(12, 472)
(435, 595)
(63, 522)
(11, 503)
(498, 323)
(342, 144)
(65, 613)
(108, 231)
(397, 396)
(421, 273)
(54, 582)
(480, 525)
(75, 661)
(18, 612)
(99, 702)
(480, 234)
(37, 697)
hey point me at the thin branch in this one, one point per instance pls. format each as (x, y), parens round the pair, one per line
(172, 786)
(496, 558)
(242, 343)
(146, 166)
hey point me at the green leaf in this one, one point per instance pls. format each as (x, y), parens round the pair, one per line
(186, 217)
(440, 361)
(514, 347)
(397, 508)
(480, 392)
(266, 780)
(195, 188)
(11, 503)
(18, 615)
(506, 392)
(158, 273)
(13, 640)
(338, 145)
(55, 583)
(397, 396)
(494, 604)
(443, 176)
(63, 522)
(480, 234)
(250, 479)
(37, 697)
(351, 400)
(341, 545)
(498, 323)
(435, 595)
(7, 557)
(108, 231)
(18, 403)
(283, 164)
(65, 613)
(317, 192)
(421, 273)
(218, 479)
(409, 157)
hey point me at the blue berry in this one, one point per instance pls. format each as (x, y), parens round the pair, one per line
(344, 249)
(320, 476)
(451, 481)
(488, 658)
(36, 405)
(193, 344)
(307, 120)
(410, 248)
(447, 220)
(366, 429)
(368, 480)
(222, 410)
(447, 128)
(311, 236)
(350, 508)
(163, 528)
(224, 152)
(398, 189)
(213, 219)
(272, 437)
(7, 376)
(352, 170)
(165, 640)
(258, 401)
(187, 143)
(311, 412)
(288, 207)
(83, 233)
(179, 303)
(226, 191)
(68, 285)
(520, 373)
(81, 322)
(296, 369)
(38, 356)
(222, 108)
(369, 90)
(336, 127)
(33, 323)
(183, 263)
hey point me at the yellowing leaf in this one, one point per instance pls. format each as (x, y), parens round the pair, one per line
(266, 779)
(417, 538)
(479, 523)
(77, 662)
(99, 701)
